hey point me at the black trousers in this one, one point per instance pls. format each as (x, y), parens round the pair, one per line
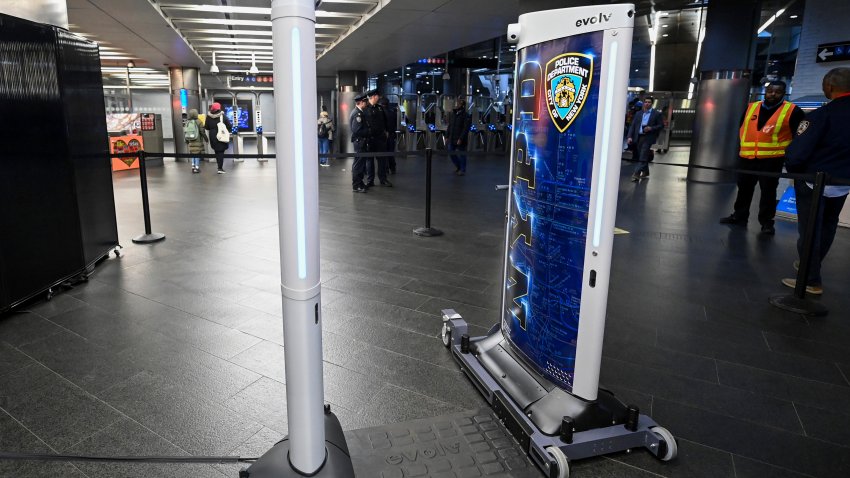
(391, 139)
(767, 185)
(377, 145)
(827, 219)
(358, 166)
(219, 159)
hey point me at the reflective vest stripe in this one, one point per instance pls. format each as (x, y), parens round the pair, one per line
(759, 144)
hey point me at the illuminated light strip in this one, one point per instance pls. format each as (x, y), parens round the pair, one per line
(295, 69)
(606, 136)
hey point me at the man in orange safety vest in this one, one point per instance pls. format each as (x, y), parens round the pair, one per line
(766, 130)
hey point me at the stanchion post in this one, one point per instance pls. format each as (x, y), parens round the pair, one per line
(798, 302)
(428, 231)
(148, 237)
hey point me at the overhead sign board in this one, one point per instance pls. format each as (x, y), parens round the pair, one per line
(828, 52)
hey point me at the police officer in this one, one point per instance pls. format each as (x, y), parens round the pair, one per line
(360, 135)
(822, 144)
(377, 140)
(391, 115)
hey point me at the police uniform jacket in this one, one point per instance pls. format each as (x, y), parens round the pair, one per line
(822, 142)
(377, 121)
(359, 129)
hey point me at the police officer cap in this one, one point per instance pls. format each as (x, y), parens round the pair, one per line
(371, 93)
(359, 98)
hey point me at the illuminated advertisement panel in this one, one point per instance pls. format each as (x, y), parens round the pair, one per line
(572, 74)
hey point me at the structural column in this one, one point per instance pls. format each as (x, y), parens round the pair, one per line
(727, 57)
(185, 95)
(350, 83)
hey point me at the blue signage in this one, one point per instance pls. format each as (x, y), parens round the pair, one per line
(788, 204)
(555, 119)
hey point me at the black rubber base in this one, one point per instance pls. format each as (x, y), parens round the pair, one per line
(275, 462)
(427, 232)
(464, 444)
(149, 238)
(797, 305)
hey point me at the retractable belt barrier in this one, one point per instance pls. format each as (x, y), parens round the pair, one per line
(797, 302)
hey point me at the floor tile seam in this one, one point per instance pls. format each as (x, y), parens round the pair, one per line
(633, 467)
(741, 364)
(780, 354)
(121, 416)
(677, 375)
(425, 297)
(664, 397)
(799, 419)
(345, 365)
(772, 465)
(460, 288)
(846, 378)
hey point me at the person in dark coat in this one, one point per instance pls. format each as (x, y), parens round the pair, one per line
(360, 135)
(197, 145)
(391, 114)
(214, 117)
(457, 135)
(821, 145)
(646, 125)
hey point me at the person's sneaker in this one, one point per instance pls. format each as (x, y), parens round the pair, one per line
(796, 265)
(810, 289)
(221, 171)
(324, 165)
(386, 184)
(359, 189)
(768, 230)
(635, 178)
(732, 219)
(370, 184)
(196, 170)
(461, 173)
(644, 174)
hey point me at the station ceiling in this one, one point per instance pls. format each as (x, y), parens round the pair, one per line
(370, 35)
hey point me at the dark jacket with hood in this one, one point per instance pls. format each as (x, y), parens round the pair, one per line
(196, 146)
(211, 125)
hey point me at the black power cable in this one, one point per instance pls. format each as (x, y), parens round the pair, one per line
(125, 459)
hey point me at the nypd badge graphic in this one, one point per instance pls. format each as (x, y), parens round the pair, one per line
(568, 78)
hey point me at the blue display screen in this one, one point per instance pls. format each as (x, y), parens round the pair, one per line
(553, 140)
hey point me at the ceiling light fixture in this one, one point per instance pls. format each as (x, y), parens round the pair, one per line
(214, 67)
(253, 70)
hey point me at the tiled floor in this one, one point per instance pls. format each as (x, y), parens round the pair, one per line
(176, 348)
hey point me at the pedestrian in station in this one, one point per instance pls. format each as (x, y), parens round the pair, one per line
(822, 145)
(391, 115)
(646, 125)
(219, 128)
(378, 133)
(457, 135)
(196, 138)
(325, 132)
(360, 137)
(766, 131)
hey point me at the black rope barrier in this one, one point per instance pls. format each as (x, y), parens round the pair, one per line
(124, 459)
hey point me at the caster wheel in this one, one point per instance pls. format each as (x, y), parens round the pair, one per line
(446, 335)
(562, 464)
(669, 442)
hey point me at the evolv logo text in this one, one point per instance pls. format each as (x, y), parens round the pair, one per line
(593, 20)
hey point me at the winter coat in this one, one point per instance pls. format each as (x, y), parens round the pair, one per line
(196, 146)
(212, 126)
(330, 126)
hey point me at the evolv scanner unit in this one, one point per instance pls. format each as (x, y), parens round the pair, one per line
(539, 367)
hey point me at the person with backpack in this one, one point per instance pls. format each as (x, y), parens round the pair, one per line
(219, 128)
(325, 131)
(196, 138)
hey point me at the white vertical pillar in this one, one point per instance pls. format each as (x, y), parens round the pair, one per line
(293, 34)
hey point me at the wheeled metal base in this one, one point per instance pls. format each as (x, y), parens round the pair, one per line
(551, 426)
(275, 462)
(149, 238)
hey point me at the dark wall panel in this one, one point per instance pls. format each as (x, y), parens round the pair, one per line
(46, 217)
